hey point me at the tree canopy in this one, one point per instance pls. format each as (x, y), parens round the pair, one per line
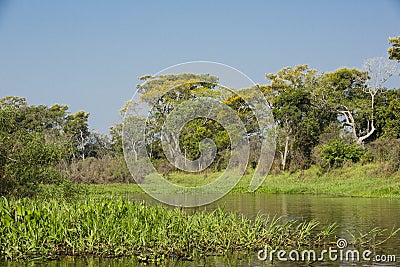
(325, 118)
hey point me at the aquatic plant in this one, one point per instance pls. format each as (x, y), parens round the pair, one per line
(114, 227)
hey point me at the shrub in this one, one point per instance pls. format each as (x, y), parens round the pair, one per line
(165, 167)
(27, 161)
(386, 151)
(107, 169)
(65, 190)
(335, 153)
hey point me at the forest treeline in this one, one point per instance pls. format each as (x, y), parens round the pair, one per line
(327, 119)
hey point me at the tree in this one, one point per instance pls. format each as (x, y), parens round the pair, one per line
(387, 114)
(187, 111)
(116, 137)
(341, 90)
(394, 51)
(33, 142)
(352, 94)
(97, 145)
(379, 71)
(28, 158)
(300, 119)
(164, 94)
(76, 129)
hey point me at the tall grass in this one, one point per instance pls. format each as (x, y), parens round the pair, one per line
(370, 180)
(112, 227)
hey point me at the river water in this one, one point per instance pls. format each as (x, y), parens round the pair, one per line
(353, 215)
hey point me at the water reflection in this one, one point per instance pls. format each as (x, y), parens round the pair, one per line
(353, 215)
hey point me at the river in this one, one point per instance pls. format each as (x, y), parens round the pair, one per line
(353, 215)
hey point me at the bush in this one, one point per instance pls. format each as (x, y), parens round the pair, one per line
(66, 190)
(337, 152)
(33, 142)
(386, 151)
(27, 161)
(164, 167)
(107, 169)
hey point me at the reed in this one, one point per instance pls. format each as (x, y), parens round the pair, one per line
(115, 227)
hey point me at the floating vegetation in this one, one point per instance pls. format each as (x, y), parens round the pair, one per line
(115, 227)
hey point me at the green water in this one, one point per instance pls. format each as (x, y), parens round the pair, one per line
(352, 215)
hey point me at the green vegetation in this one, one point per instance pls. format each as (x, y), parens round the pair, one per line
(47, 145)
(328, 120)
(30, 149)
(337, 133)
(112, 227)
(394, 51)
(356, 181)
(337, 152)
(307, 106)
(370, 180)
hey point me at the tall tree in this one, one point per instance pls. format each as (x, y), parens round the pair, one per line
(164, 94)
(299, 118)
(76, 129)
(352, 94)
(394, 51)
(387, 114)
(28, 156)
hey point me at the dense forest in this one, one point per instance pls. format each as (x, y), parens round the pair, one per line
(330, 119)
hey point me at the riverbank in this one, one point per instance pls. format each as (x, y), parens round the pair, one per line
(371, 180)
(115, 227)
(103, 223)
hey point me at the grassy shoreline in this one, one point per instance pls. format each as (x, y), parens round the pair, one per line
(103, 223)
(369, 180)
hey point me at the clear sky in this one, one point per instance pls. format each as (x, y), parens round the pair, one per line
(88, 54)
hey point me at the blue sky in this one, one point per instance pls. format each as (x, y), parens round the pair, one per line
(89, 54)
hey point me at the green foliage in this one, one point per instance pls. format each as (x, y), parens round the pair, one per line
(27, 162)
(184, 87)
(337, 152)
(387, 115)
(66, 190)
(343, 91)
(299, 116)
(198, 129)
(116, 137)
(114, 227)
(358, 98)
(394, 51)
(34, 140)
(342, 87)
(165, 94)
(105, 169)
(387, 152)
(245, 113)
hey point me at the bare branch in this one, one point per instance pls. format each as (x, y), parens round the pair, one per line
(379, 71)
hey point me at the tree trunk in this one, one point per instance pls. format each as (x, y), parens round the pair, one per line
(285, 153)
